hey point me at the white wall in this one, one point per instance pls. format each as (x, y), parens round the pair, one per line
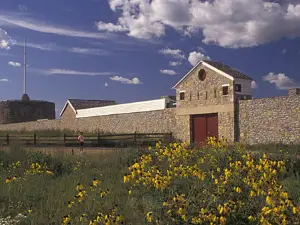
(133, 107)
(246, 86)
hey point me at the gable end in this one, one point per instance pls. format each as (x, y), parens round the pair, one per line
(207, 66)
(68, 103)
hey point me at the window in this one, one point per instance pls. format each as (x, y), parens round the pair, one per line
(215, 93)
(202, 75)
(181, 95)
(198, 95)
(238, 88)
(205, 94)
(190, 96)
(225, 90)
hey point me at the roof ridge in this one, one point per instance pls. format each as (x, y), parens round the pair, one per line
(89, 99)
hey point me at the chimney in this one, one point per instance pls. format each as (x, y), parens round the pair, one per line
(294, 91)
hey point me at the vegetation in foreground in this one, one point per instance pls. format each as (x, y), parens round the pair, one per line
(165, 185)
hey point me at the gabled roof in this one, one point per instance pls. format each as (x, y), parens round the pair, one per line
(220, 68)
(229, 70)
(85, 104)
(77, 104)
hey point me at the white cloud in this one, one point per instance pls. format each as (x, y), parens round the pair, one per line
(173, 63)
(14, 64)
(106, 84)
(281, 81)
(44, 47)
(22, 7)
(227, 23)
(44, 27)
(72, 72)
(169, 72)
(176, 53)
(110, 27)
(123, 80)
(88, 51)
(3, 80)
(54, 47)
(5, 40)
(195, 57)
(254, 84)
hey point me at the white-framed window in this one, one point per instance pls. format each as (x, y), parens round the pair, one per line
(225, 89)
(181, 95)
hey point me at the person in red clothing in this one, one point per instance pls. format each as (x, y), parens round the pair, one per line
(81, 141)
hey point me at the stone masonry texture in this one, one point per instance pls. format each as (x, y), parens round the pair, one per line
(207, 92)
(270, 120)
(160, 121)
(259, 121)
(24, 111)
(253, 121)
(195, 88)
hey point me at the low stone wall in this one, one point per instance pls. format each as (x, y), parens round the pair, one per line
(33, 126)
(270, 120)
(160, 121)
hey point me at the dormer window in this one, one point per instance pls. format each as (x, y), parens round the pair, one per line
(181, 95)
(238, 88)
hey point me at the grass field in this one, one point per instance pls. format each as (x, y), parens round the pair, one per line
(166, 185)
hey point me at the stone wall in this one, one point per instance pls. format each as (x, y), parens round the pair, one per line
(270, 120)
(266, 120)
(226, 127)
(182, 130)
(160, 121)
(68, 118)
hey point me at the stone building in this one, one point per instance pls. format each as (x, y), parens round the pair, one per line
(204, 105)
(71, 107)
(212, 99)
(24, 110)
(206, 101)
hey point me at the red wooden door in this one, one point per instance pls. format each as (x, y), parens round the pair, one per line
(199, 129)
(212, 125)
(204, 126)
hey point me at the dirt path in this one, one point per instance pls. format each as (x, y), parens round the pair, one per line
(69, 150)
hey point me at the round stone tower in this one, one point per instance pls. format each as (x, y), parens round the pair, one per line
(25, 110)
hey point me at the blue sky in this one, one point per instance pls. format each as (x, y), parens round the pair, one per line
(137, 50)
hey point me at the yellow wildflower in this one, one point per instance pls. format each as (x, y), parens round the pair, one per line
(294, 210)
(149, 217)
